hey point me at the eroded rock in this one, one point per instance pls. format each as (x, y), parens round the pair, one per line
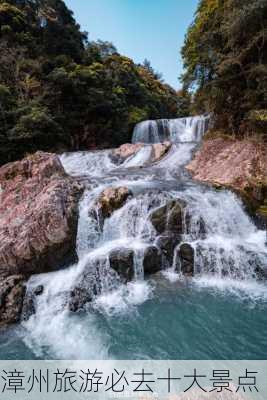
(111, 199)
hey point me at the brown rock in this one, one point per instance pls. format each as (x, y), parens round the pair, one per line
(125, 151)
(38, 215)
(240, 165)
(160, 150)
(112, 199)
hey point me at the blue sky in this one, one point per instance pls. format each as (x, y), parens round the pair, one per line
(152, 29)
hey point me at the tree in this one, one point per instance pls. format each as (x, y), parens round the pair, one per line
(60, 91)
(224, 56)
(147, 65)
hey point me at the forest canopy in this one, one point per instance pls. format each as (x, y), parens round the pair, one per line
(225, 59)
(59, 91)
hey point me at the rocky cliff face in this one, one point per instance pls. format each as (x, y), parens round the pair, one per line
(237, 165)
(38, 224)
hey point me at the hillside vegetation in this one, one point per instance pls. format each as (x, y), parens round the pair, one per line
(59, 91)
(225, 58)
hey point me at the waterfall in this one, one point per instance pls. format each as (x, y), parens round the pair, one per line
(227, 246)
(189, 129)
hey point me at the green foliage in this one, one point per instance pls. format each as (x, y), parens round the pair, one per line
(36, 123)
(136, 115)
(58, 91)
(184, 103)
(225, 59)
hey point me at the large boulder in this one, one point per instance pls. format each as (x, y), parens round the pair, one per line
(122, 261)
(12, 290)
(38, 215)
(111, 199)
(240, 165)
(169, 218)
(152, 262)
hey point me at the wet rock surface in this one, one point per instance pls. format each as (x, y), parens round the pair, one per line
(125, 151)
(186, 256)
(167, 245)
(111, 199)
(29, 301)
(78, 298)
(152, 262)
(169, 218)
(159, 150)
(122, 261)
(12, 290)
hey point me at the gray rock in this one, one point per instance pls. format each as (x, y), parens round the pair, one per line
(79, 297)
(187, 257)
(167, 244)
(12, 290)
(152, 260)
(169, 218)
(122, 261)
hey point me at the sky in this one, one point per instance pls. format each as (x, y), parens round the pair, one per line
(140, 29)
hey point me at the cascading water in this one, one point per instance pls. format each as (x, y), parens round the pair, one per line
(175, 130)
(229, 250)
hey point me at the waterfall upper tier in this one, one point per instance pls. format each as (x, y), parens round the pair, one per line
(190, 129)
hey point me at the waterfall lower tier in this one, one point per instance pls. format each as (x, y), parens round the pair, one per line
(167, 224)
